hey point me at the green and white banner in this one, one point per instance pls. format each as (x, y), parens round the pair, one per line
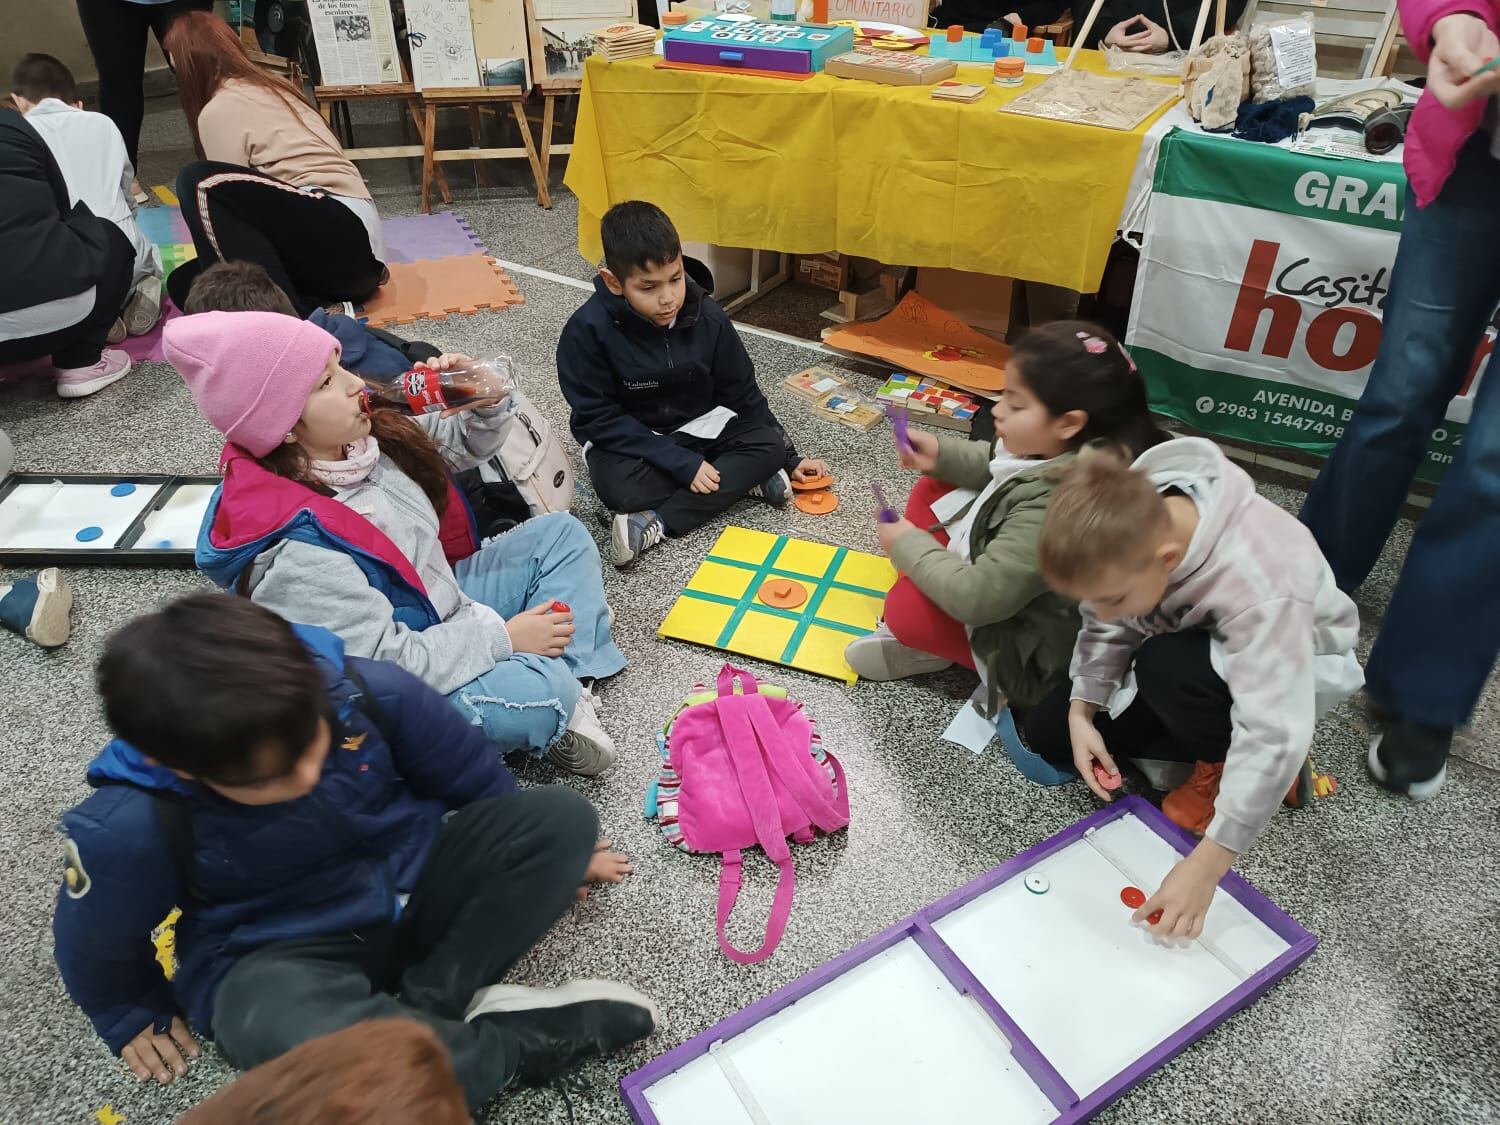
(1258, 298)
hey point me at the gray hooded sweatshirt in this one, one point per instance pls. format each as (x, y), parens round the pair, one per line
(1283, 633)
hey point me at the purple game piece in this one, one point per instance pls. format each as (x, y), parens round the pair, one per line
(888, 514)
(901, 428)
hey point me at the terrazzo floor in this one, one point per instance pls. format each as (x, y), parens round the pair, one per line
(1396, 1017)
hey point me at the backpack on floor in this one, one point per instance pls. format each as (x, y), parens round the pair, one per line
(744, 765)
(533, 461)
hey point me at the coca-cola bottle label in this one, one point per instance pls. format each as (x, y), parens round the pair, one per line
(424, 390)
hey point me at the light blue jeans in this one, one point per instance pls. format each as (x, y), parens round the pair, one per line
(524, 703)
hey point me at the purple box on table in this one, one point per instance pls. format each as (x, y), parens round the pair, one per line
(796, 48)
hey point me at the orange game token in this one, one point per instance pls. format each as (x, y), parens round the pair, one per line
(822, 480)
(783, 593)
(816, 503)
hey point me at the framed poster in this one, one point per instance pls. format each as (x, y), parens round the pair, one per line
(562, 36)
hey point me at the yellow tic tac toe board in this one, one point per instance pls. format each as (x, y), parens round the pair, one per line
(782, 600)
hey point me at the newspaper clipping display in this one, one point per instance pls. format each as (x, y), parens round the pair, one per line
(356, 43)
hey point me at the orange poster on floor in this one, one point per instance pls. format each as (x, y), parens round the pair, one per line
(918, 336)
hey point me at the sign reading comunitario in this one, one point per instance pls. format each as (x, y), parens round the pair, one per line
(1258, 299)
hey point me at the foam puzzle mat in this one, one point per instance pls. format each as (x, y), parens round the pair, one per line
(165, 227)
(722, 606)
(417, 238)
(436, 289)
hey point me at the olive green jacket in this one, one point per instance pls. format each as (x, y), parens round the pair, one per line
(1022, 633)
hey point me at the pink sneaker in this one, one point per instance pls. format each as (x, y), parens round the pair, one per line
(80, 382)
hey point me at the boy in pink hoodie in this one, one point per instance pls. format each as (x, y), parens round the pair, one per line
(1212, 633)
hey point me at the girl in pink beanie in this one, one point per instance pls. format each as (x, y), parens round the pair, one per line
(334, 515)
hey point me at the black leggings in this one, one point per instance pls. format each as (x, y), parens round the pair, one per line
(116, 33)
(79, 345)
(313, 246)
(1180, 712)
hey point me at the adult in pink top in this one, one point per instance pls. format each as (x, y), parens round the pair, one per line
(1438, 642)
(275, 187)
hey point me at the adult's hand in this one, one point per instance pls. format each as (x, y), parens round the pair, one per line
(1461, 44)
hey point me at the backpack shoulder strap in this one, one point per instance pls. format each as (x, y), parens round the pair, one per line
(364, 699)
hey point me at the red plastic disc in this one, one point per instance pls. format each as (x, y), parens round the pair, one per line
(1133, 897)
(1154, 917)
(560, 607)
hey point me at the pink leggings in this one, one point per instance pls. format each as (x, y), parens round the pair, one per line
(909, 613)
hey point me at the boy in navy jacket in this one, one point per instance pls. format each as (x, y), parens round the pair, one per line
(674, 427)
(292, 802)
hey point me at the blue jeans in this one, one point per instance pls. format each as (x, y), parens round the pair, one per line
(524, 703)
(1441, 632)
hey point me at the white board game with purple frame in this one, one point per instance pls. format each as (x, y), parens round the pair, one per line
(1026, 996)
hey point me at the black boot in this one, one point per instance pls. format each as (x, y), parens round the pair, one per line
(557, 1028)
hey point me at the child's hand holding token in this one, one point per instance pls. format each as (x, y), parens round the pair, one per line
(920, 453)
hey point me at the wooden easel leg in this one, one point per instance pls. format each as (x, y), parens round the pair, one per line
(549, 110)
(474, 134)
(442, 179)
(429, 138)
(543, 198)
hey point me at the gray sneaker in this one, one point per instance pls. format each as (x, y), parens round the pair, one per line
(632, 534)
(880, 656)
(775, 492)
(584, 748)
(143, 309)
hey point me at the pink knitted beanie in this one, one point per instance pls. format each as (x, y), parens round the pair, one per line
(249, 372)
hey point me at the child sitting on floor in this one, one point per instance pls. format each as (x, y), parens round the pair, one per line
(970, 591)
(91, 153)
(246, 287)
(337, 515)
(293, 801)
(1213, 633)
(665, 404)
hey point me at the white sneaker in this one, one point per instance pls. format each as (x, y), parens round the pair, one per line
(117, 331)
(880, 656)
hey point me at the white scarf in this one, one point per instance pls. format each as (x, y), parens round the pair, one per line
(359, 458)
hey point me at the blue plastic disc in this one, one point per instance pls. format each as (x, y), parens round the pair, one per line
(89, 534)
(122, 489)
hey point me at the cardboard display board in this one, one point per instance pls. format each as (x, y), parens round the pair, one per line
(502, 44)
(562, 36)
(1028, 993)
(107, 519)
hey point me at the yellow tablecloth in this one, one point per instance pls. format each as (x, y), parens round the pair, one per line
(884, 172)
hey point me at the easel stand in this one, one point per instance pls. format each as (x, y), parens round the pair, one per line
(472, 99)
(331, 98)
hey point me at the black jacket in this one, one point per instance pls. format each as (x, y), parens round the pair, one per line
(631, 384)
(48, 250)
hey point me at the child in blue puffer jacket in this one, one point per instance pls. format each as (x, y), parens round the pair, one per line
(293, 803)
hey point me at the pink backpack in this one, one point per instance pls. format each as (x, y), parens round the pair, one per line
(745, 766)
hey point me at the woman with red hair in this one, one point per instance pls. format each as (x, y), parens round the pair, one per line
(274, 188)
